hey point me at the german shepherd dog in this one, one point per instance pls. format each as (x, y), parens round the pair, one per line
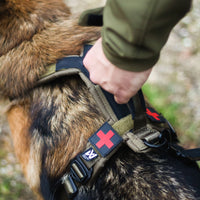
(50, 124)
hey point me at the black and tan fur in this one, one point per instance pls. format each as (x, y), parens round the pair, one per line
(50, 124)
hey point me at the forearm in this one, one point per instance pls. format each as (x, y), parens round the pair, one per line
(134, 32)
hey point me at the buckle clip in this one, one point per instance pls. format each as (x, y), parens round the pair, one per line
(79, 171)
(70, 186)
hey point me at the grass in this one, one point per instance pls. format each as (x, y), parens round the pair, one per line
(12, 183)
(9, 189)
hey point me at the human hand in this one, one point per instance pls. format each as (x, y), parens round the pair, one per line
(121, 83)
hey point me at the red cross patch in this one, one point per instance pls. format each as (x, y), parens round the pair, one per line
(105, 139)
(154, 116)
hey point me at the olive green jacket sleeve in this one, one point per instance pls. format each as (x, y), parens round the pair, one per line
(134, 32)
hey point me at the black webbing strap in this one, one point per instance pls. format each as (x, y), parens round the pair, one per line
(191, 154)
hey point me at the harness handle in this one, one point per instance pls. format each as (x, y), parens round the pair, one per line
(137, 109)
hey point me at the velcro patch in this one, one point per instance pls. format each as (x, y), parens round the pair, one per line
(89, 154)
(154, 116)
(105, 139)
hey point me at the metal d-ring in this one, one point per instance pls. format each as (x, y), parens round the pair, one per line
(156, 146)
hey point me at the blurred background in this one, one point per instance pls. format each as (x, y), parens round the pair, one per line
(173, 88)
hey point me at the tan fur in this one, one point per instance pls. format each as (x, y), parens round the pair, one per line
(19, 125)
(36, 42)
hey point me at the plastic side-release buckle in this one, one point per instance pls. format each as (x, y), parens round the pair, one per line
(70, 186)
(79, 171)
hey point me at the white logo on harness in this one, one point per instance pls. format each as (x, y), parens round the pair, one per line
(90, 154)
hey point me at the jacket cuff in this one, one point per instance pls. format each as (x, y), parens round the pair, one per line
(130, 64)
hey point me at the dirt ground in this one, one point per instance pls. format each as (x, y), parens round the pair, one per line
(177, 72)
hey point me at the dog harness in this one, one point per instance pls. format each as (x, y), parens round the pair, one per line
(134, 124)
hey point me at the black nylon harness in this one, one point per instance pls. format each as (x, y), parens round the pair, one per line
(133, 124)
